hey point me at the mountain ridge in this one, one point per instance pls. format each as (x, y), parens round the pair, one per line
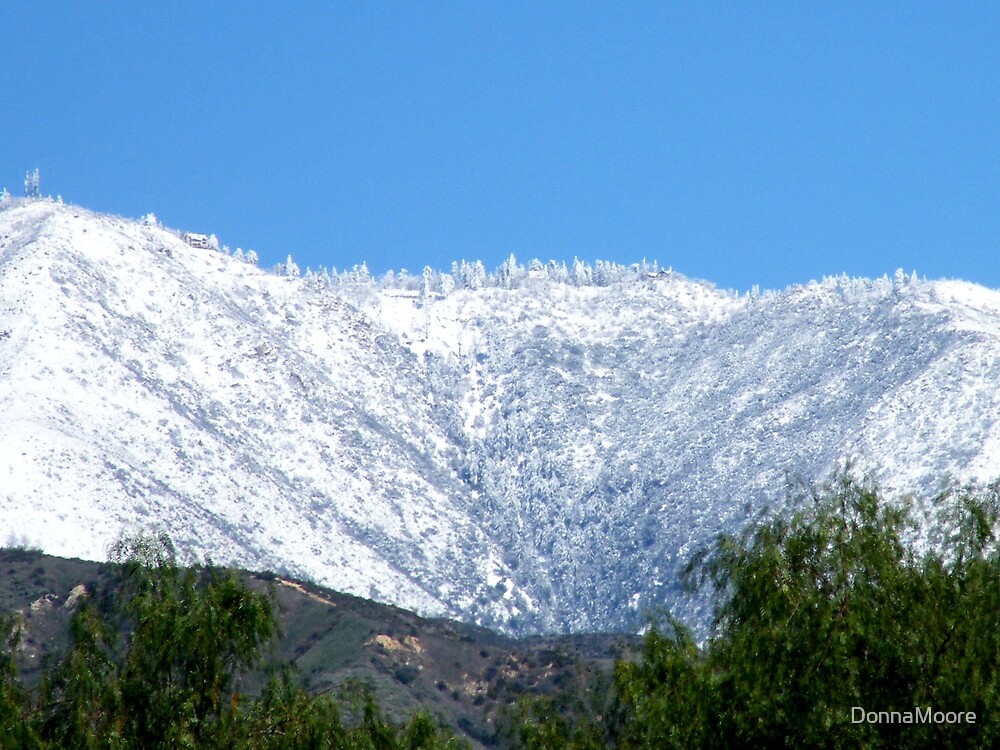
(535, 458)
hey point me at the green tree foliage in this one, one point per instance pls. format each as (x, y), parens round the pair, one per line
(192, 629)
(15, 730)
(659, 697)
(576, 716)
(831, 610)
(154, 665)
(286, 718)
(819, 613)
(80, 702)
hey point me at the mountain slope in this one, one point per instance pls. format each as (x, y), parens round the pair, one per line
(540, 457)
(148, 382)
(616, 430)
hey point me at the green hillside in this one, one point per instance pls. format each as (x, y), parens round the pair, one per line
(462, 674)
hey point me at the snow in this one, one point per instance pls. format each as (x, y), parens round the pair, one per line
(548, 453)
(137, 396)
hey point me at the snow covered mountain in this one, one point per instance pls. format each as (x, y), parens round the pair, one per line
(144, 382)
(537, 457)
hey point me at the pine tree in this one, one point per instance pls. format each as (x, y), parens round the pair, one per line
(428, 285)
(508, 273)
(477, 276)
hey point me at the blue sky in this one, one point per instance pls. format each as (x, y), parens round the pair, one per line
(743, 143)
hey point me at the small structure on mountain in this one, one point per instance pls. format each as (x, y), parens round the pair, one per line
(197, 240)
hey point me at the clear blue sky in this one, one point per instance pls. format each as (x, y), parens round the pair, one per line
(743, 143)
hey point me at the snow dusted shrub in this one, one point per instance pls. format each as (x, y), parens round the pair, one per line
(32, 184)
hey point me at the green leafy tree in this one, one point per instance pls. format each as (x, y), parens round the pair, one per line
(660, 698)
(819, 612)
(15, 729)
(153, 664)
(285, 717)
(830, 610)
(192, 630)
(80, 702)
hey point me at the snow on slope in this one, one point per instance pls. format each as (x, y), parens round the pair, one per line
(616, 430)
(539, 458)
(145, 382)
